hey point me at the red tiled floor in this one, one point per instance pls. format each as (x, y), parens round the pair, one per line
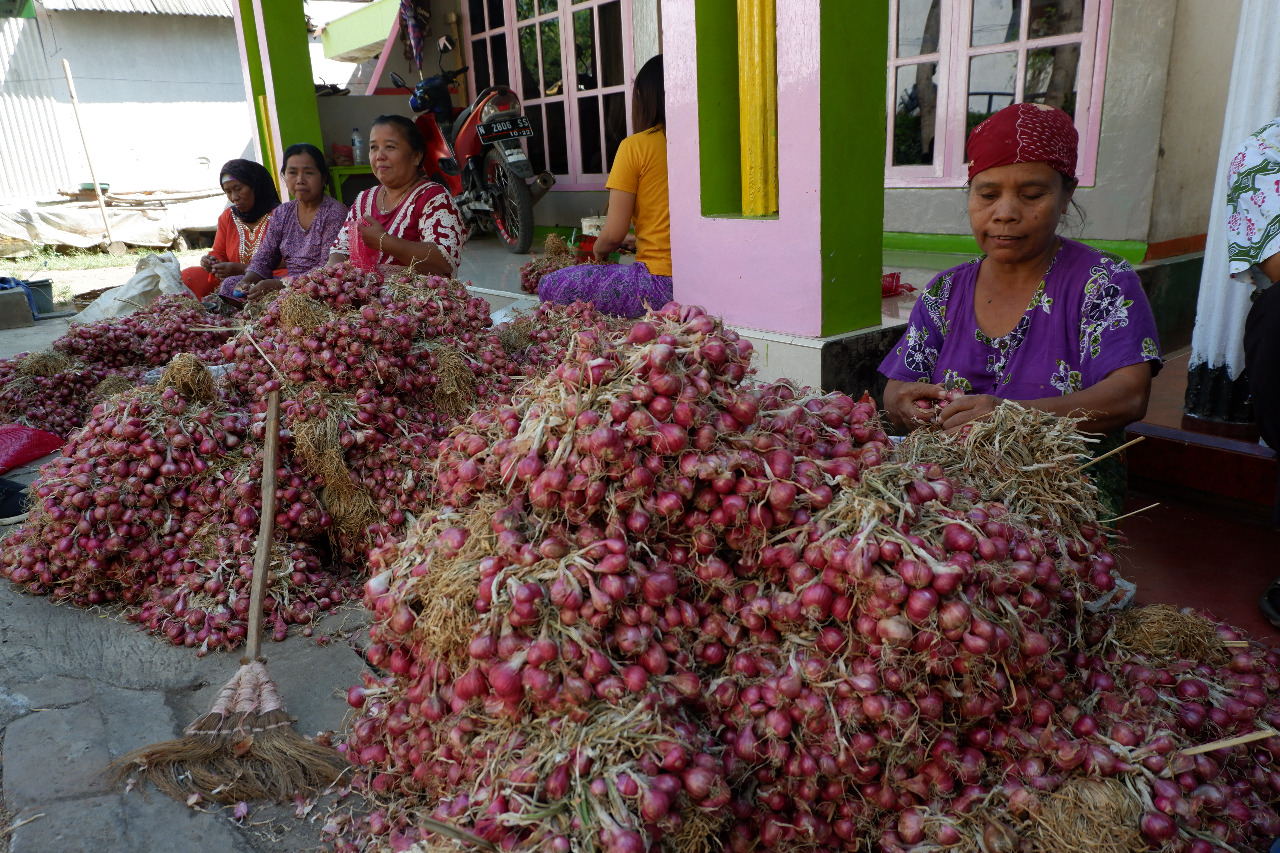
(1186, 556)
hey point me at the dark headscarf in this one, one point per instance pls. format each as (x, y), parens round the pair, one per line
(257, 178)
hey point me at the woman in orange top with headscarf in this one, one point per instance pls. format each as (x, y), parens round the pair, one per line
(241, 226)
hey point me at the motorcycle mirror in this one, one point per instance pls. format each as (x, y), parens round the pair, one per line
(398, 80)
(445, 44)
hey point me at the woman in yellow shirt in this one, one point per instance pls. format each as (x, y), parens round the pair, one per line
(637, 193)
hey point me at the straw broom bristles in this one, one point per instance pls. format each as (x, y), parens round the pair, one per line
(245, 748)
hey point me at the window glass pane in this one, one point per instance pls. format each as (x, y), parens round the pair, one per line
(480, 64)
(552, 82)
(498, 54)
(1055, 18)
(915, 114)
(524, 9)
(557, 144)
(589, 131)
(1051, 76)
(537, 148)
(496, 17)
(615, 125)
(545, 6)
(584, 48)
(995, 21)
(475, 16)
(992, 80)
(611, 44)
(918, 24)
(528, 40)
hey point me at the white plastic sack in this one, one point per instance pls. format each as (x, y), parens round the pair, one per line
(156, 276)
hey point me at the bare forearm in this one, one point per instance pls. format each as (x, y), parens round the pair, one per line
(1115, 402)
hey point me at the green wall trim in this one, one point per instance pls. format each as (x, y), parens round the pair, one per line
(256, 82)
(297, 116)
(719, 140)
(369, 24)
(851, 139)
(1132, 251)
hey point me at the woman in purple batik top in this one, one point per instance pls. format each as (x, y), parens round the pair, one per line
(1039, 319)
(300, 232)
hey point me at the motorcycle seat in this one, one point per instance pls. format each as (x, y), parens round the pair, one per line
(459, 123)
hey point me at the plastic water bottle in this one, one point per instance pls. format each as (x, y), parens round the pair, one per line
(358, 155)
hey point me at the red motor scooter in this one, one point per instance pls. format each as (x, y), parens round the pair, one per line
(479, 157)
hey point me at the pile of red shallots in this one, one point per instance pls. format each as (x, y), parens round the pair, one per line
(376, 369)
(150, 336)
(155, 503)
(556, 255)
(53, 392)
(661, 609)
(537, 343)
(56, 389)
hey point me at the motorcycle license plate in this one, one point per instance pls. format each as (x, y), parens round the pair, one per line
(507, 128)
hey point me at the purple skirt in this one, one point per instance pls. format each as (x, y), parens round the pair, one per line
(626, 290)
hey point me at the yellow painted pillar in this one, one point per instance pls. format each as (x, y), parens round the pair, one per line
(758, 105)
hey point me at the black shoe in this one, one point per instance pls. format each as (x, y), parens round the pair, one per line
(1270, 603)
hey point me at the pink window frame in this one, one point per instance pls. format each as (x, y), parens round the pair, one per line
(575, 180)
(948, 169)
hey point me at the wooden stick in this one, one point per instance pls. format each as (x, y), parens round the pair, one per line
(1098, 459)
(1231, 741)
(97, 188)
(1236, 644)
(266, 527)
(14, 519)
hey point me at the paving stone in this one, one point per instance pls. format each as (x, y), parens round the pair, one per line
(135, 718)
(56, 692)
(51, 755)
(81, 825)
(157, 824)
(12, 706)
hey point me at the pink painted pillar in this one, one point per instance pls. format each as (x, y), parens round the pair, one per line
(812, 270)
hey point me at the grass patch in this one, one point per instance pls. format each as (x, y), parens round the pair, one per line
(46, 259)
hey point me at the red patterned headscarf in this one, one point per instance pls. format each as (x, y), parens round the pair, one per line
(1025, 133)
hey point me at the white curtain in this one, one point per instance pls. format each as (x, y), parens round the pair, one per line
(1253, 100)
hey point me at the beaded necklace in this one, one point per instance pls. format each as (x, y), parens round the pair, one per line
(250, 236)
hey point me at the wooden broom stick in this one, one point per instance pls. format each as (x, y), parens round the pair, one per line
(266, 529)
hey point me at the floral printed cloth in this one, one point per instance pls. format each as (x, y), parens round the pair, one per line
(1088, 318)
(1253, 204)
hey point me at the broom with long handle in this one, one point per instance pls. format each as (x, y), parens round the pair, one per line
(245, 748)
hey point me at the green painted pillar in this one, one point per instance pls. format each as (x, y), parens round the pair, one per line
(852, 127)
(285, 100)
(252, 67)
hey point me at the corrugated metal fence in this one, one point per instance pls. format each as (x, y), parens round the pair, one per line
(33, 149)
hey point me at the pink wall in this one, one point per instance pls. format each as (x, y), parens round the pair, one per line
(763, 274)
